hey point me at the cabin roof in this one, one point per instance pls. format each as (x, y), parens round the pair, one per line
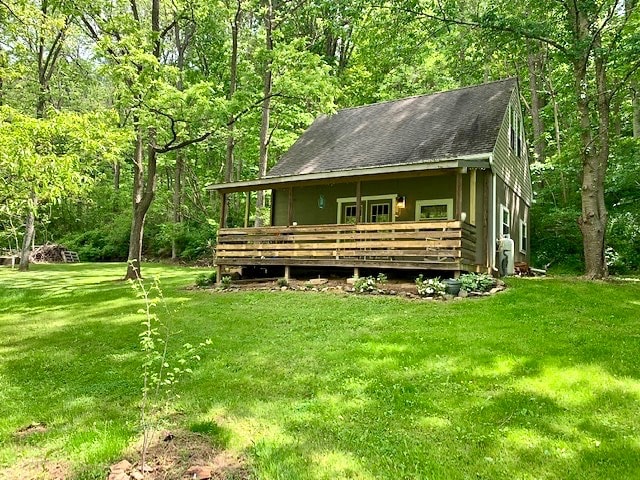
(417, 130)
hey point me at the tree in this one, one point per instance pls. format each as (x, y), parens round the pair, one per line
(585, 36)
(45, 160)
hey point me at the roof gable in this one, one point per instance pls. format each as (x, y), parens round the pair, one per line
(421, 129)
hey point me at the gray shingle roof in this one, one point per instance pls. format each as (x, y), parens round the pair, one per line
(420, 129)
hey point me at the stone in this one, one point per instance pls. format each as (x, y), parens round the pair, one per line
(199, 473)
(121, 466)
(137, 475)
(351, 281)
(119, 475)
(495, 290)
(463, 294)
(283, 288)
(318, 281)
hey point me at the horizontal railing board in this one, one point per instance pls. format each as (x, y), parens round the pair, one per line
(432, 245)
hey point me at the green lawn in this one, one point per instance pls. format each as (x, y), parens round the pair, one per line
(540, 381)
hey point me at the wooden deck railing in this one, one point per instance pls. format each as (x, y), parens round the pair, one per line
(442, 245)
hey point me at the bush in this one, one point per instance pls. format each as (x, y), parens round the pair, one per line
(430, 287)
(204, 280)
(370, 284)
(282, 282)
(477, 282)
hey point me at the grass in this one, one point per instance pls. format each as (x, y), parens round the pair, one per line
(540, 381)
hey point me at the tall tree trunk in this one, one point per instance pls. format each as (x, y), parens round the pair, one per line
(593, 218)
(116, 176)
(143, 195)
(635, 102)
(266, 111)
(534, 63)
(29, 233)
(181, 45)
(233, 75)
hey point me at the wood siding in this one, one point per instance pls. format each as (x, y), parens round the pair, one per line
(513, 170)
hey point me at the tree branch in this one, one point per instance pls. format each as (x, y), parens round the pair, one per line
(496, 28)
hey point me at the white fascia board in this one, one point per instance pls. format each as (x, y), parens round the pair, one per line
(270, 182)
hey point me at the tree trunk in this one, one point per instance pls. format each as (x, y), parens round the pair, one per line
(593, 218)
(116, 176)
(534, 63)
(177, 202)
(29, 233)
(266, 111)
(143, 195)
(635, 102)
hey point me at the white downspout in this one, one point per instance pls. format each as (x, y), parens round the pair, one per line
(494, 215)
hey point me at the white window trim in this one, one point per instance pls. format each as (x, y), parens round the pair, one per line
(522, 245)
(440, 201)
(363, 200)
(503, 208)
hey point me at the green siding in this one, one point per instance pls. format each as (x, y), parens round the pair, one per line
(512, 170)
(306, 210)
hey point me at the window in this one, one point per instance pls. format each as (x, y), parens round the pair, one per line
(350, 214)
(441, 209)
(505, 219)
(380, 213)
(512, 128)
(524, 237)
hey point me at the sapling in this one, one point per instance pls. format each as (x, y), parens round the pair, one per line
(158, 375)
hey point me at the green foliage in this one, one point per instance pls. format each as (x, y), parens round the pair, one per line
(370, 284)
(225, 282)
(204, 280)
(430, 287)
(282, 282)
(477, 282)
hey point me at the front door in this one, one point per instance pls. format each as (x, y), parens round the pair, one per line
(379, 211)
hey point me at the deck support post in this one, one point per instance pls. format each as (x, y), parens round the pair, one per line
(218, 275)
(287, 272)
(356, 272)
(358, 202)
(458, 195)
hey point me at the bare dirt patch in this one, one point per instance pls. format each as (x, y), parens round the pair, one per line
(181, 455)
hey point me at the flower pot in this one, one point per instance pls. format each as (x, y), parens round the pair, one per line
(452, 286)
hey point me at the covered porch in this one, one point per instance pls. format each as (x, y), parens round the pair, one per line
(420, 220)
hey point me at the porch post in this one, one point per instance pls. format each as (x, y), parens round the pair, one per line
(223, 210)
(223, 224)
(458, 214)
(358, 201)
(247, 209)
(290, 208)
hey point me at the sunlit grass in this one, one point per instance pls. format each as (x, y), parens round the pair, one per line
(541, 381)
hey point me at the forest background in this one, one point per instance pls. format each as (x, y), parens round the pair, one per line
(114, 115)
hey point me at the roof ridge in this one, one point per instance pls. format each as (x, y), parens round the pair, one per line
(424, 95)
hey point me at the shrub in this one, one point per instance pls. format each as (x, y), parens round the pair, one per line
(226, 282)
(204, 280)
(477, 282)
(370, 284)
(282, 282)
(430, 287)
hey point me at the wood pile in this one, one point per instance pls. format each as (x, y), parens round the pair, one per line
(52, 253)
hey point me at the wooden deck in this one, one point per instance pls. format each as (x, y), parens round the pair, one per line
(438, 245)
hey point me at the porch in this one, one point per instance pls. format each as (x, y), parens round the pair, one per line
(424, 245)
